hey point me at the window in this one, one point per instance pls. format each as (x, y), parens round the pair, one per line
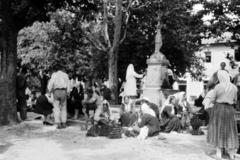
(208, 56)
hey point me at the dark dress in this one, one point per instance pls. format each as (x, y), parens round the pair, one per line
(169, 122)
(43, 106)
(127, 119)
(151, 122)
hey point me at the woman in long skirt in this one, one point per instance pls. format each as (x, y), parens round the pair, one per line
(222, 131)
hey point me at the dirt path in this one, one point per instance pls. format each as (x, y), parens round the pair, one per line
(33, 141)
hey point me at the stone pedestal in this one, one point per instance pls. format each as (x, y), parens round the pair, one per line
(156, 72)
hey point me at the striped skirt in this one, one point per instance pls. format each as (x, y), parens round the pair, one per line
(222, 129)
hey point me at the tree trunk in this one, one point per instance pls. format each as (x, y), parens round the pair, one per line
(8, 53)
(113, 52)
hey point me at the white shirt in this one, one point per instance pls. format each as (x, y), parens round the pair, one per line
(59, 80)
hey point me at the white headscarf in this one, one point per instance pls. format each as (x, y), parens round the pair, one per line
(168, 103)
(130, 70)
(146, 109)
(224, 80)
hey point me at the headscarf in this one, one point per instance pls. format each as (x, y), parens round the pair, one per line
(147, 110)
(130, 70)
(179, 97)
(224, 80)
(180, 100)
(168, 103)
(100, 111)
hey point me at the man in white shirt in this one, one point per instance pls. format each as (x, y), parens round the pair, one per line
(59, 86)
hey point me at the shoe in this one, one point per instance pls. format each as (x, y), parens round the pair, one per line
(47, 123)
(59, 126)
(63, 125)
(38, 118)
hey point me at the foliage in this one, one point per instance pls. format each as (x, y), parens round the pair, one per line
(180, 29)
(58, 42)
(224, 17)
(79, 41)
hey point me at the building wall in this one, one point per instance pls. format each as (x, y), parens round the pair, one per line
(218, 55)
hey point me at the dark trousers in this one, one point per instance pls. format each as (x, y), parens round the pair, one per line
(22, 107)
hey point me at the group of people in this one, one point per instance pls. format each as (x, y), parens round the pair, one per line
(59, 97)
(175, 115)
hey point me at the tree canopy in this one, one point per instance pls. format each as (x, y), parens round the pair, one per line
(78, 34)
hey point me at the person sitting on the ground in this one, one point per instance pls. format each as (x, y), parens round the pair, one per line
(183, 108)
(103, 112)
(103, 121)
(127, 113)
(44, 106)
(169, 120)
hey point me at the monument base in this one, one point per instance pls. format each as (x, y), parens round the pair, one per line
(155, 95)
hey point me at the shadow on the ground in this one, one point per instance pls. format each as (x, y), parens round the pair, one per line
(4, 147)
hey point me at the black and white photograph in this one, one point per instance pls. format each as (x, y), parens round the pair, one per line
(119, 79)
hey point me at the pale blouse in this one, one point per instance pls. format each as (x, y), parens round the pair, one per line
(222, 95)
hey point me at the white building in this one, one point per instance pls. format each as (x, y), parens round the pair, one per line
(215, 51)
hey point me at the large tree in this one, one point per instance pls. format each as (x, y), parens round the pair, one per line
(59, 41)
(135, 34)
(180, 30)
(15, 15)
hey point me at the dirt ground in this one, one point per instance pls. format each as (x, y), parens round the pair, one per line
(31, 140)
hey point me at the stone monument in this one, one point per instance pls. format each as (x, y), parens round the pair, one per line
(156, 72)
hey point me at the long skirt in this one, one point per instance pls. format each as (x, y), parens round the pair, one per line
(222, 131)
(171, 124)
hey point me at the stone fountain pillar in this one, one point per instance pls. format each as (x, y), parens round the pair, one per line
(156, 72)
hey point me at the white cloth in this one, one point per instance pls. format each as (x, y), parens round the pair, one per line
(207, 102)
(181, 100)
(146, 109)
(225, 91)
(130, 88)
(143, 134)
(175, 86)
(168, 103)
(59, 80)
(100, 111)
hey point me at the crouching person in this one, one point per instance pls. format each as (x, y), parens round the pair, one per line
(59, 87)
(148, 122)
(90, 103)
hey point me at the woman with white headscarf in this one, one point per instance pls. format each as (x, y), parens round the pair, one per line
(130, 88)
(183, 108)
(169, 120)
(222, 130)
